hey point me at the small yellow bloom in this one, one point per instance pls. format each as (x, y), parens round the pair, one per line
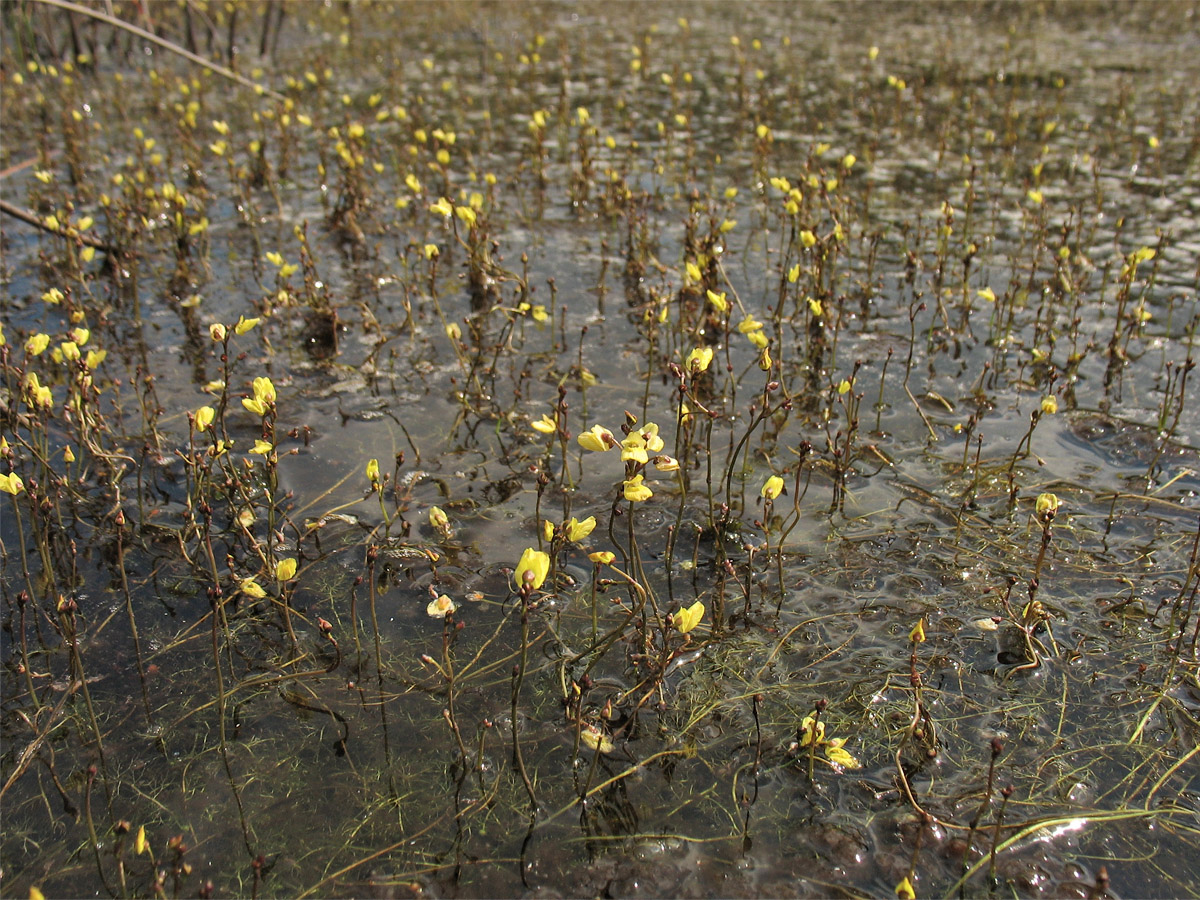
(217, 332)
(699, 359)
(689, 617)
(597, 438)
(443, 208)
(373, 471)
(986, 294)
(595, 739)
(748, 325)
(602, 557)
(204, 417)
(835, 753)
(904, 890)
(917, 635)
(532, 568)
(773, 488)
(577, 531)
(11, 484)
(264, 396)
(545, 425)
(262, 448)
(140, 844)
(811, 732)
(547, 530)
(635, 491)
(37, 344)
(666, 464)
(68, 455)
(252, 588)
(243, 325)
(285, 569)
(1049, 404)
(718, 300)
(439, 520)
(1046, 506)
(440, 607)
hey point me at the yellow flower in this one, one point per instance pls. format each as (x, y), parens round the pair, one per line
(264, 390)
(68, 455)
(598, 439)
(439, 520)
(773, 488)
(811, 732)
(638, 445)
(80, 335)
(688, 618)
(217, 332)
(1046, 506)
(532, 568)
(373, 471)
(1050, 405)
(243, 325)
(904, 890)
(986, 294)
(548, 530)
(443, 208)
(440, 607)
(666, 464)
(204, 417)
(264, 396)
(262, 448)
(748, 325)
(252, 588)
(699, 359)
(285, 569)
(917, 635)
(69, 350)
(577, 531)
(545, 425)
(835, 753)
(602, 557)
(635, 491)
(11, 484)
(595, 739)
(718, 300)
(140, 844)
(37, 344)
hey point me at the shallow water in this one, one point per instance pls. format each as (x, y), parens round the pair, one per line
(320, 748)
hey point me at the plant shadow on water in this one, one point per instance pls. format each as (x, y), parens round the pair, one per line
(493, 450)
